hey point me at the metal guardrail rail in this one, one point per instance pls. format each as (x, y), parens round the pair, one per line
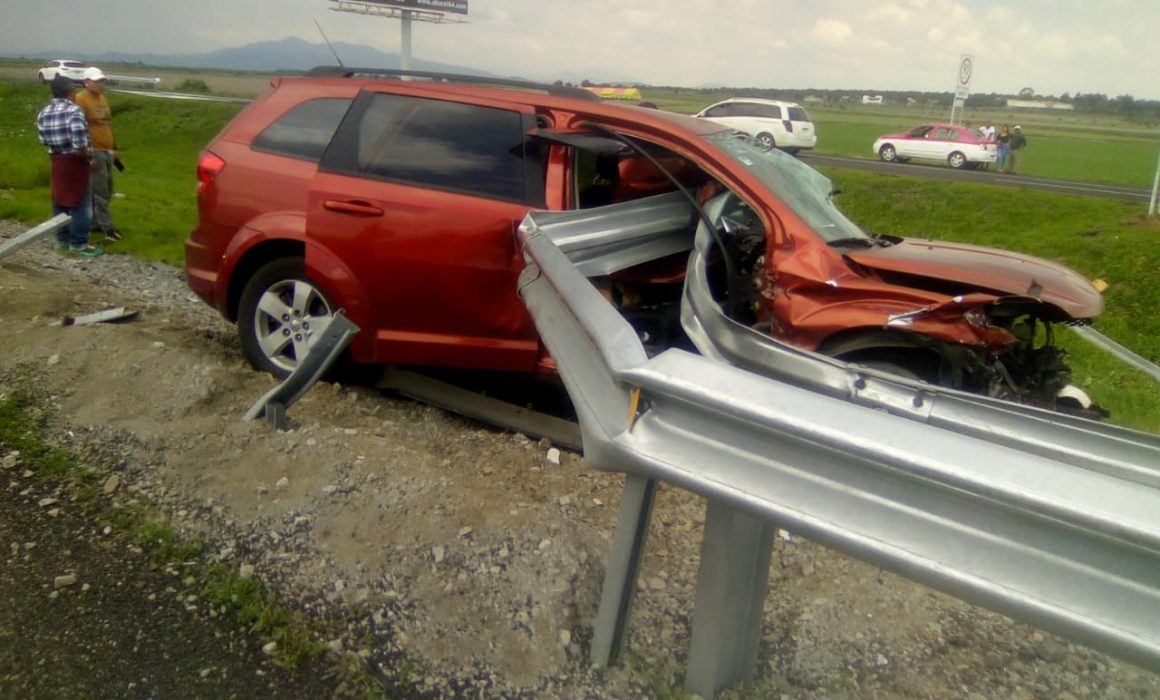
(33, 234)
(1122, 353)
(993, 515)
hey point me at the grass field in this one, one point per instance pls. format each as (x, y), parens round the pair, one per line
(1089, 148)
(1103, 239)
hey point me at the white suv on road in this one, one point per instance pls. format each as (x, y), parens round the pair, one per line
(771, 123)
(73, 70)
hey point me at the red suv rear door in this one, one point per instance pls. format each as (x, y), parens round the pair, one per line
(411, 222)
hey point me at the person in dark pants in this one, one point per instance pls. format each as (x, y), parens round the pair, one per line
(1003, 138)
(63, 130)
(1015, 150)
(105, 153)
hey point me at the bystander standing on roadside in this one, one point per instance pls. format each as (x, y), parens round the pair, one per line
(1003, 138)
(62, 129)
(1015, 154)
(987, 131)
(105, 152)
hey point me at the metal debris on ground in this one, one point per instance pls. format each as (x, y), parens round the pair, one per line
(113, 315)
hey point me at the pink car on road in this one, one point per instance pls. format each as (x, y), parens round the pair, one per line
(957, 146)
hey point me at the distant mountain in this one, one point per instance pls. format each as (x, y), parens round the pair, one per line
(290, 54)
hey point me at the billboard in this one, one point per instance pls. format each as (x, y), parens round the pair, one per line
(457, 6)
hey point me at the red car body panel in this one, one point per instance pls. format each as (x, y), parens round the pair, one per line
(447, 262)
(1002, 271)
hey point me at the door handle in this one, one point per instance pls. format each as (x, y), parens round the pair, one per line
(355, 208)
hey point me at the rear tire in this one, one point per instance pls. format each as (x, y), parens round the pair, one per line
(281, 314)
(957, 160)
(765, 141)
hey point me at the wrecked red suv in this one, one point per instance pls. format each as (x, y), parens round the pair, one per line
(398, 201)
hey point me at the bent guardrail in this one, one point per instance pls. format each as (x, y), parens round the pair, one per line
(1070, 545)
(326, 348)
(33, 234)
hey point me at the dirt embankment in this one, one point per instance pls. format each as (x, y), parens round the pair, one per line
(460, 560)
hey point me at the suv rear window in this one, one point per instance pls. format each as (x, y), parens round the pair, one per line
(448, 145)
(304, 131)
(798, 114)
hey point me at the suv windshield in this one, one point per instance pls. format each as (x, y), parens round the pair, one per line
(804, 190)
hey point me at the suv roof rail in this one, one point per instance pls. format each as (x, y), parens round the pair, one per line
(344, 72)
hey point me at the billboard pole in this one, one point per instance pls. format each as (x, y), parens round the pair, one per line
(405, 54)
(407, 12)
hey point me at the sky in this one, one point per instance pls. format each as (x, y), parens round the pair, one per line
(1052, 46)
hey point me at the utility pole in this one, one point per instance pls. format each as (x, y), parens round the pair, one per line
(1155, 187)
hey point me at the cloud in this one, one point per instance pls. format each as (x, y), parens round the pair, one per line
(832, 31)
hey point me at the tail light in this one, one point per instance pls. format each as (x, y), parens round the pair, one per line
(208, 167)
(788, 126)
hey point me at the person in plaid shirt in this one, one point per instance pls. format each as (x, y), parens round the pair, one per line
(65, 133)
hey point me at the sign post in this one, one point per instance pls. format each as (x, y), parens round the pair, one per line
(1155, 187)
(962, 86)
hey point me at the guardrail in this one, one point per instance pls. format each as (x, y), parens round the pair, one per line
(134, 79)
(1058, 538)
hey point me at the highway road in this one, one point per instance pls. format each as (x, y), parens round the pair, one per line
(988, 177)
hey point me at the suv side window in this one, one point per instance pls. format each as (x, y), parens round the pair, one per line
(724, 110)
(305, 130)
(766, 111)
(447, 145)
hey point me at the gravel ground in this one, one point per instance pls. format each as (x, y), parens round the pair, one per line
(458, 560)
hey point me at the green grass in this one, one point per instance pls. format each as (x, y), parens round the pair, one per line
(1085, 147)
(160, 141)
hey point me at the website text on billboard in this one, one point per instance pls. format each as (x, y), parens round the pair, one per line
(456, 6)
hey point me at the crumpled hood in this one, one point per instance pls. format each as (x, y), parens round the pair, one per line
(988, 269)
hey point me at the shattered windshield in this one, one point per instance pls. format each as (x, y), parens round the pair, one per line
(804, 190)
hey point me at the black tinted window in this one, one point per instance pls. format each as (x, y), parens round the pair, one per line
(798, 114)
(442, 144)
(758, 109)
(304, 131)
(719, 111)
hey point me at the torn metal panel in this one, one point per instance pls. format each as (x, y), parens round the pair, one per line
(608, 239)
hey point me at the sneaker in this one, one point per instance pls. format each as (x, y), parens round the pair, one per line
(86, 250)
(112, 235)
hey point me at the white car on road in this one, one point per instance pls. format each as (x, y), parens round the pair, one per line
(771, 123)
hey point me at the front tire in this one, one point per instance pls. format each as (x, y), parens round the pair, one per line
(281, 314)
(887, 153)
(957, 160)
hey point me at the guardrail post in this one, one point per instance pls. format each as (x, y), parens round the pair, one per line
(325, 350)
(623, 566)
(736, 551)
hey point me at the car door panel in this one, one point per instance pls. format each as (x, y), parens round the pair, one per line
(426, 222)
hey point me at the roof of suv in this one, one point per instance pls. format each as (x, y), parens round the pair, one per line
(560, 97)
(761, 100)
